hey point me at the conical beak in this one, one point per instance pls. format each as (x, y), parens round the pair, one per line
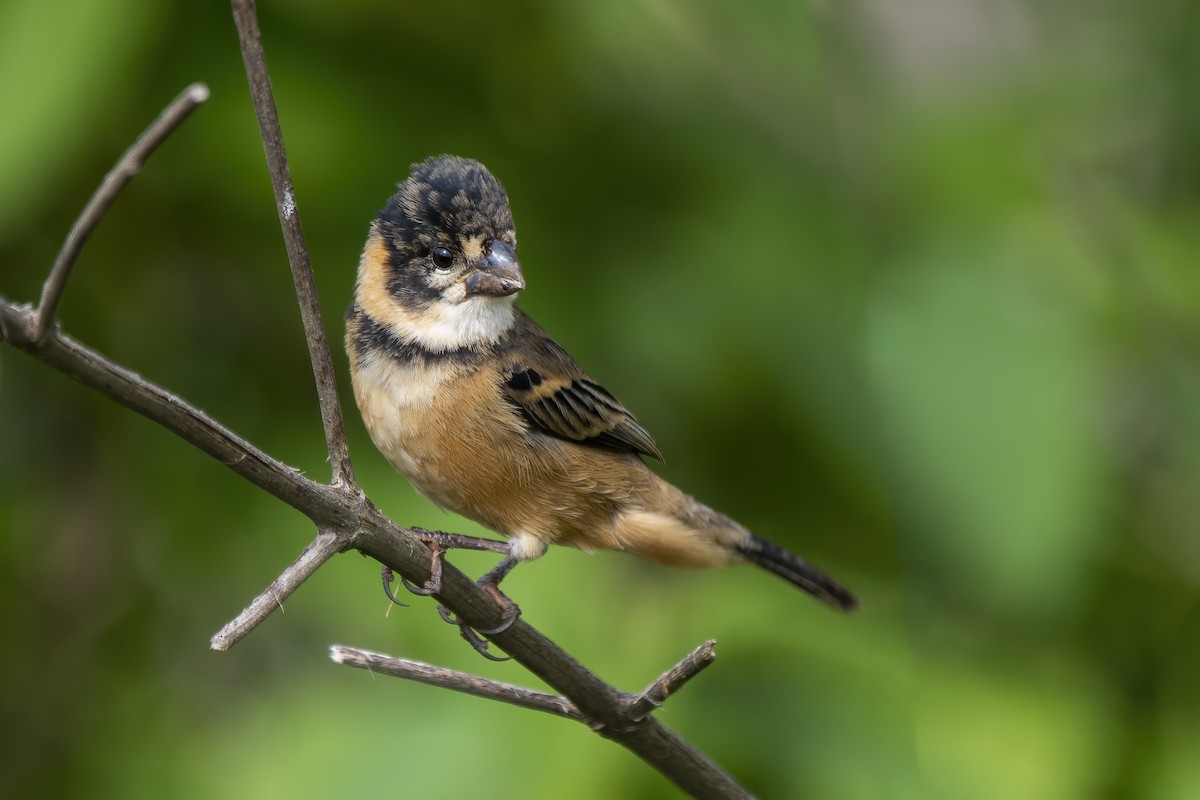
(498, 273)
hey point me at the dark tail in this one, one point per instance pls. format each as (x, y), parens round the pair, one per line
(790, 567)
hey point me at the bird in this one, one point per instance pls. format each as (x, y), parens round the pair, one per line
(487, 416)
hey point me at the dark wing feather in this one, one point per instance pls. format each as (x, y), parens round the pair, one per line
(559, 398)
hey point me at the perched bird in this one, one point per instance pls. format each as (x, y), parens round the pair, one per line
(489, 417)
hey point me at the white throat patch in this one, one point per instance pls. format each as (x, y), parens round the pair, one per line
(475, 322)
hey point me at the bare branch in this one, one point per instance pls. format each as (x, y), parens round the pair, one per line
(343, 515)
(376, 536)
(327, 545)
(672, 680)
(116, 180)
(638, 709)
(293, 237)
(319, 502)
(458, 681)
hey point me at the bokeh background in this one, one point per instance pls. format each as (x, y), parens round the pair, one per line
(910, 288)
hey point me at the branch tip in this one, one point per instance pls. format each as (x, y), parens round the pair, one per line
(463, 682)
(102, 199)
(198, 92)
(327, 544)
(672, 681)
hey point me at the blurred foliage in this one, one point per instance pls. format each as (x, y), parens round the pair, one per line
(910, 288)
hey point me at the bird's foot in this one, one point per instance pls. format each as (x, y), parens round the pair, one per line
(474, 636)
(438, 543)
(434, 584)
(437, 559)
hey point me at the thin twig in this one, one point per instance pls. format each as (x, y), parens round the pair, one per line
(116, 180)
(327, 545)
(458, 681)
(293, 238)
(672, 681)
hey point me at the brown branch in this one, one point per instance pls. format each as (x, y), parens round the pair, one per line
(117, 179)
(327, 545)
(293, 238)
(672, 681)
(340, 511)
(455, 680)
(636, 710)
(172, 412)
(374, 535)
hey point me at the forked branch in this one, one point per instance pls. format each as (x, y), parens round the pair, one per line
(367, 530)
(341, 513)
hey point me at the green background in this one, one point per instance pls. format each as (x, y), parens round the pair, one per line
(910, 288)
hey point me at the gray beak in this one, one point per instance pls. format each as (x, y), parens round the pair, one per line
(498, 273)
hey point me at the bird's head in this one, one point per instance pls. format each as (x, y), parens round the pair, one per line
(440, 267)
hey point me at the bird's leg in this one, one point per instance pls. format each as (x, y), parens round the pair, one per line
(490, 583)
(439, 542)
(460, 541)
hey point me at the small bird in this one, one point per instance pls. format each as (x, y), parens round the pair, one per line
(489, 417)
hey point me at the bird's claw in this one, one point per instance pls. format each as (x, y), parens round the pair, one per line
(423, 591)
(434, 584)
(473, 636)
(469, 634)
(511, 610)
(431, 586)
(388, 576)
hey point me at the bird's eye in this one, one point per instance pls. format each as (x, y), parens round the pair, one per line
(442, 257)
